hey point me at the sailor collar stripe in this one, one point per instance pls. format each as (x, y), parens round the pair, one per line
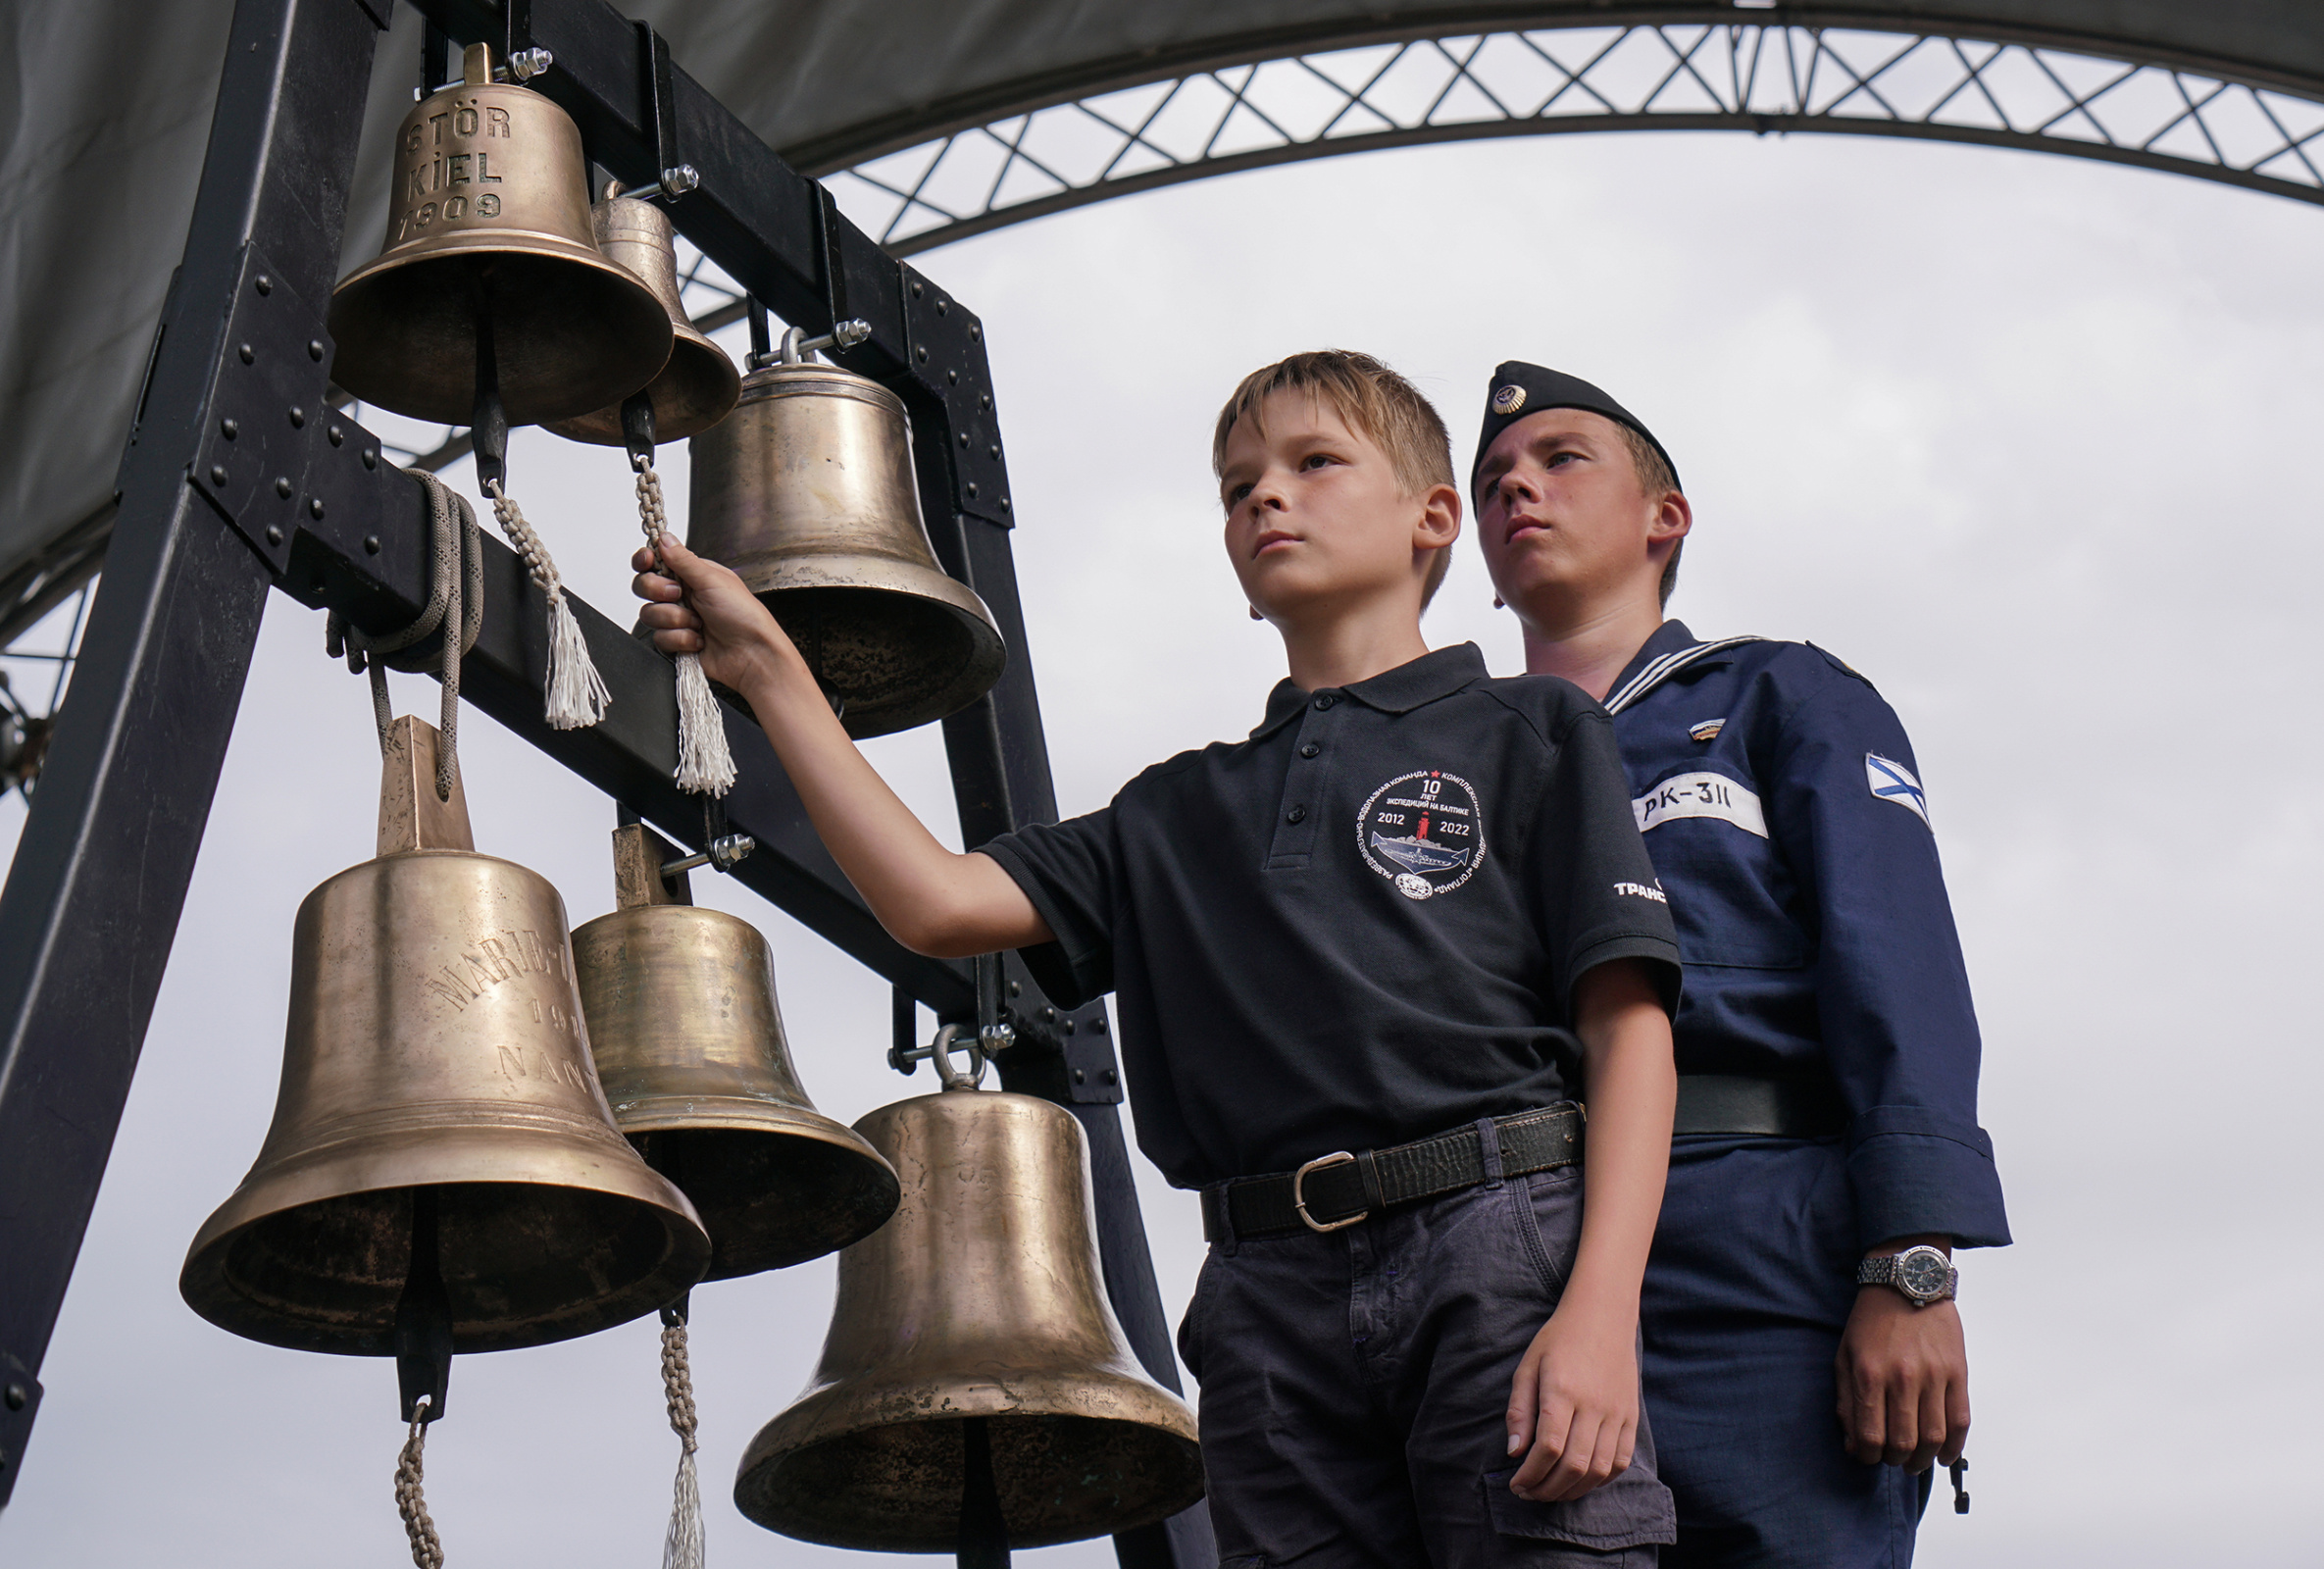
(1667, 665)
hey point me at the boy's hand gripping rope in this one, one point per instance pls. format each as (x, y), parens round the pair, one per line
(705, 765)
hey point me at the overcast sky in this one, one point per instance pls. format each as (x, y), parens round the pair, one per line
(2030, 442)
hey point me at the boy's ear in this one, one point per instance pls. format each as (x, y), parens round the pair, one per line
(1674, 518)
(1440, 517)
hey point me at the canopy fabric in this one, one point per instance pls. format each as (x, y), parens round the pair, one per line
(100, 158)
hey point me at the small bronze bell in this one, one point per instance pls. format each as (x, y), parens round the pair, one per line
(982, 1302)
(437, 1070)
(489, 220)
(699, 384)
(806, 490)
(690, 1046)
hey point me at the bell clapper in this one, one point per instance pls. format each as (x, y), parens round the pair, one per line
(705, 763)
(422, 1369)
(983, 1529)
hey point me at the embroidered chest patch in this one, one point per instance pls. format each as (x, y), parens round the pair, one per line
(1704, 795)
(1424, 831)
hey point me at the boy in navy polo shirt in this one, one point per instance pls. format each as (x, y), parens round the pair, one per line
(1364, 960)
(1828, 1157)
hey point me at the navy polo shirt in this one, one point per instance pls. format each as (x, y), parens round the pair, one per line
(1785, 812)
(1360, 926)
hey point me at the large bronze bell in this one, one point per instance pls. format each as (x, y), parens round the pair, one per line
(806, 490)
(699, 384)
(973, 1323)
(489, 222)
(690, 1046)
(437, 1070)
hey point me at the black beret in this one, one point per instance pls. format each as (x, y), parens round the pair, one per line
(1519, 389)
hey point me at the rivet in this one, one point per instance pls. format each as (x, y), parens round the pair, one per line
(17, 1396)
(943, 306)
(264, 284)
(1069, 1027)
(217, 473)
(1004, 503)
(371, 457)
(964, 439)
(314, 506)
(282, 487)
(228, 429)
(1048, 1016)
(371, 544)
(995, 450)
(916, 289)
(977, 334)
(924, 354)
(952, 378)
(1015, 988)
(337, 435)
(298, 417)
(1097, 1025)
(315, 349)
(1111, 1077)
(985, 403)
(1080, 1076)
(972, 489)
(248, 353)
(274, 535)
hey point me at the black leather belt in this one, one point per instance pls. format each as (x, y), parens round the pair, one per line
(1338, 1190)
(1772, 1108)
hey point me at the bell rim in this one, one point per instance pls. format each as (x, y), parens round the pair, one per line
(988, 656)
(602, 428)
(204, 1285)
(348, 292)
(1163, 1418)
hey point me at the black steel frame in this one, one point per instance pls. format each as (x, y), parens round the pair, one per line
(210, 522)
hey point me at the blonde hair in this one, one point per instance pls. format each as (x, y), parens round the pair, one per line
(1376, 404)
(1656, 481)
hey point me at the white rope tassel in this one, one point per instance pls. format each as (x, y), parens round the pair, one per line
(682, 1547)
(577, 694)
(427, 1549)
(705, 766)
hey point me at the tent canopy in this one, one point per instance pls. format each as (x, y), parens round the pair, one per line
(99, 163)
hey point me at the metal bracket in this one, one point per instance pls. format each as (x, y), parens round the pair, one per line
(265, 406)
(19, 1403)
(947, 347)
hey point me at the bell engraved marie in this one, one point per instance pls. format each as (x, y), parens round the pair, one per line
(981, 1299)
(488, 219)
(807, 492)
(436, 1042)
(690, 1048)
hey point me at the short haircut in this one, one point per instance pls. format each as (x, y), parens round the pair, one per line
(1376, 404)
(1657, 481)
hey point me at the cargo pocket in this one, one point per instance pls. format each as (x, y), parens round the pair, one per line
(1633, 1511)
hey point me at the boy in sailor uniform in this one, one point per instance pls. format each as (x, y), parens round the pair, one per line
(1804, 1363)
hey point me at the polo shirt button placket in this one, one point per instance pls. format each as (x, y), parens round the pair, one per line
(1303, 787)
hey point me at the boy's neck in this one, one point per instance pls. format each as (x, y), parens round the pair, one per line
(1342, 650)
(1592, 647)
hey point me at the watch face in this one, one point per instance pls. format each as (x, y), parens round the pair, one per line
(1922, 1272)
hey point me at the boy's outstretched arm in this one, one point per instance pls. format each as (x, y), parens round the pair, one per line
(1574, 1404)
(931, 899)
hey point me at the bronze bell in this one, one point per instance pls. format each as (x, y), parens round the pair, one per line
(699, 384)
(806, 490)
(976, 1320)
(436, 1061)
(489, 220)
(690, 1046)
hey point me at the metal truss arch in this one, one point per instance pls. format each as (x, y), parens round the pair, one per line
(2249, 129)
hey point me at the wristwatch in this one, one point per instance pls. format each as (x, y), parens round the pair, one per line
(1923, 1274)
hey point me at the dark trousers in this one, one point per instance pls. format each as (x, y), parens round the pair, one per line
(1355, 1386)
(1750, 1284)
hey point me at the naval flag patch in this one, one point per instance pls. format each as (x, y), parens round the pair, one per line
(1894, 781)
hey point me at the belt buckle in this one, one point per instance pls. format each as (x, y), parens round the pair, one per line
(1338, 1157)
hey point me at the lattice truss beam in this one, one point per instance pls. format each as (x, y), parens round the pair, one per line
(1757, 77)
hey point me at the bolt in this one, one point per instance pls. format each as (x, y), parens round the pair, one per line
(1111, 1075)
(228, 429)
(314, 506)
(678, 180)
(371, 457)
(248, 353)
(264, 283)
(217, 473)
(337, 435)
(298, 418)
(527, 64)
(274, 535)
(315, 349)
(371, 544)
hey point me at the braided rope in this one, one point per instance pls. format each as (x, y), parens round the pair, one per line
(428, 1548)
(455, 594)
(705, 763)
(683, 1546)
(577, 694)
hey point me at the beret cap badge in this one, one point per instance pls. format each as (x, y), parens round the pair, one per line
(1508, 399)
